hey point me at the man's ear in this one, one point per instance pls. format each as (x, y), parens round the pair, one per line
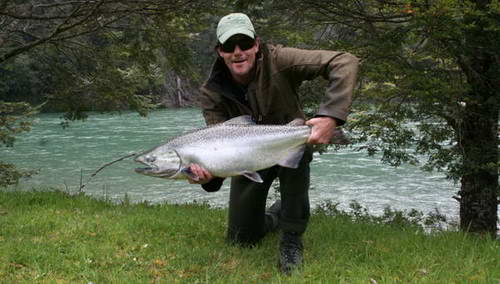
(217, 50)
(257, 42)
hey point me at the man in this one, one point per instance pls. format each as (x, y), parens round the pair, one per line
(261, 80)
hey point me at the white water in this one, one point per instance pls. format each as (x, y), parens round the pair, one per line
(341, 177)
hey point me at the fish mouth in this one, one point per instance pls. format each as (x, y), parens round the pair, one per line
(156, 172)
(149, 169)
(144, 170)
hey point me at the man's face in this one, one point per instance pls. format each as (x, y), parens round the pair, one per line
(239, 53)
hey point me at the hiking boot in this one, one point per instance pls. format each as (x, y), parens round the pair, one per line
(291, 251)
(273, 216)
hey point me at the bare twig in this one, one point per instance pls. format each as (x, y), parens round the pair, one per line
(105, 166)
(81, 179)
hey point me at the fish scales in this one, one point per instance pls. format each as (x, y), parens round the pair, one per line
(230, 150)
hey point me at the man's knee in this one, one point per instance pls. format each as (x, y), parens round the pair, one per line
(245, 238)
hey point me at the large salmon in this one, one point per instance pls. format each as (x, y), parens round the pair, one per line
(235, 147)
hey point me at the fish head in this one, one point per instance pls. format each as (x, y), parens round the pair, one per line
(163, 164)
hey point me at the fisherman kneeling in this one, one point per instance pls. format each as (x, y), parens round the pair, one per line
(252, 78)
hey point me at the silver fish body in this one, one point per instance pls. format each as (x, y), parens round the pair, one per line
(235, 147)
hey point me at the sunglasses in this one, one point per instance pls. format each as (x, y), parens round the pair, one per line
(244, 43)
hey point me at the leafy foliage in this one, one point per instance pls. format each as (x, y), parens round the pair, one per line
(414, 81)
(15, 118)
(428, 89)
(432, 221)
(99, 55)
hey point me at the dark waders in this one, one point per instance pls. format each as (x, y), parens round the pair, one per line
(248, 222)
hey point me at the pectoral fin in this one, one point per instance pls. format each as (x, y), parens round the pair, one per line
(253, 176)
(187, 172)
(293, 158)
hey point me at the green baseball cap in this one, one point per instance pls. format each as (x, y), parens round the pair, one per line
(234, 23)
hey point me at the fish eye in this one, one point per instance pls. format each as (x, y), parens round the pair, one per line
(150, 159)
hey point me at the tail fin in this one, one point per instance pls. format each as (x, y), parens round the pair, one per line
(340, 138)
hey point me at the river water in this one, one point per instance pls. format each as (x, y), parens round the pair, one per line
(63, 155)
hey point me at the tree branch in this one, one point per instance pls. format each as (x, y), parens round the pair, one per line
(63, 20)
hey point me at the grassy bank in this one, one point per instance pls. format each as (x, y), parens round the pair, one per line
(51, 237)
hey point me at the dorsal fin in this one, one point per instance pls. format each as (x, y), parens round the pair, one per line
(296, 122)
(240, 120)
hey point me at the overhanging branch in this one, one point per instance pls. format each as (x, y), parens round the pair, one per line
(27, 26)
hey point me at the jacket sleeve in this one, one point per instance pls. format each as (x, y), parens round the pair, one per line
(214, 185)
(339, 68)
(213, 112)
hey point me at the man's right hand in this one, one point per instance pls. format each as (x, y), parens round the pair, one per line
(203, 175)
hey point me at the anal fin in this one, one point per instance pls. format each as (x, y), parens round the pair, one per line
(253, 176)
(293, 158)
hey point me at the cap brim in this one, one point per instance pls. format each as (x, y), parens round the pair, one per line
(225, 36)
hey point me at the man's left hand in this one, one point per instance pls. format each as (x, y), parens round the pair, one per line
(322, 130)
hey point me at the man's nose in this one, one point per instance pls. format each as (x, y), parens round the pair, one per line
(237, 49)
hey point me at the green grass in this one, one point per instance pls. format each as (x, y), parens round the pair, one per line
(51, 237)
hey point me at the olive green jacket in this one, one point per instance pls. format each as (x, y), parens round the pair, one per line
(272, 95)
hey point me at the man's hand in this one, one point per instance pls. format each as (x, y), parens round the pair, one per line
(203, 175)
(322, 130)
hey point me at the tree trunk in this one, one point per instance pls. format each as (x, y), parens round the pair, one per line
(479, 184)
(478, 132)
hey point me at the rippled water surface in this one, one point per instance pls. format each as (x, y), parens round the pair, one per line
(62, 155)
